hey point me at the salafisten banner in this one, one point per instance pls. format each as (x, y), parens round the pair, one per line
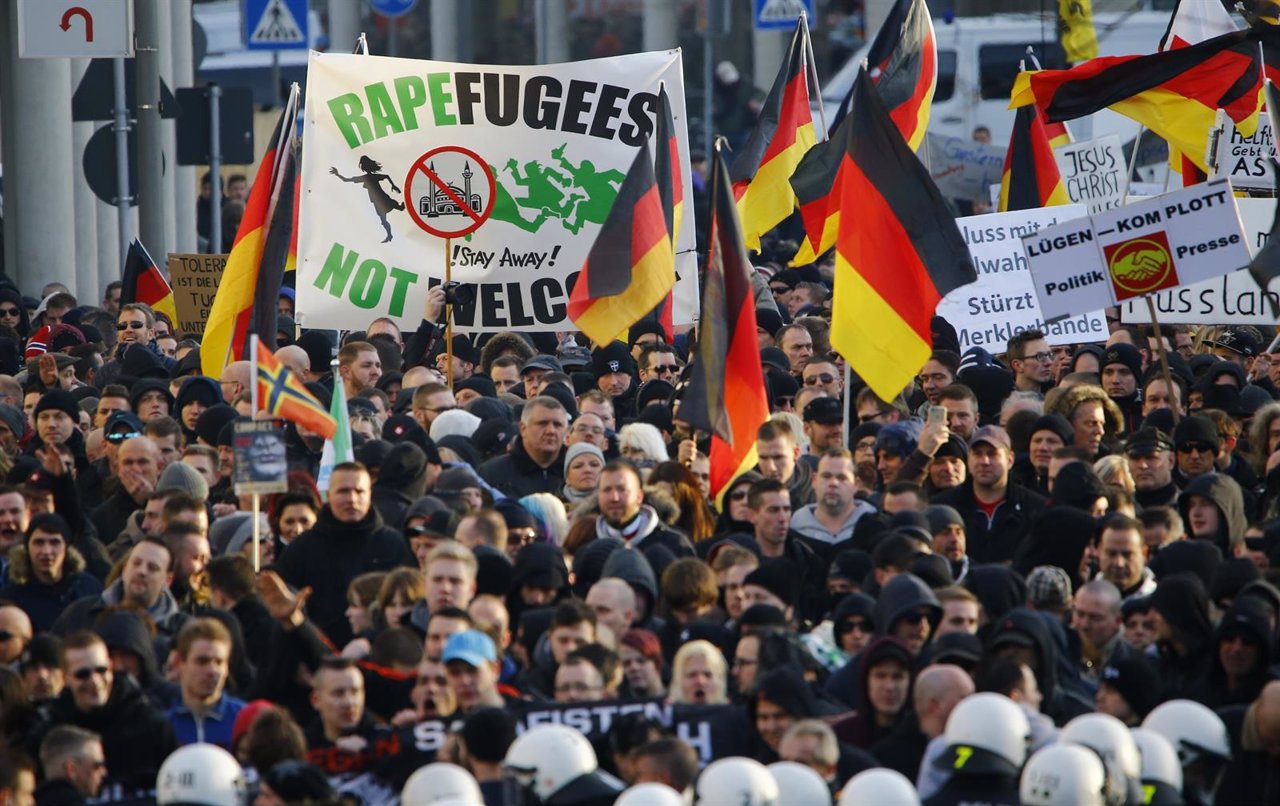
(515, 167)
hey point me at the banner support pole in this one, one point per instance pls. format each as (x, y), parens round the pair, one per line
(1164, 357)
(448, 310)
(257, 537)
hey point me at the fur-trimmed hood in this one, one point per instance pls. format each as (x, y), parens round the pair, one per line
(20, 564)
(661, 501)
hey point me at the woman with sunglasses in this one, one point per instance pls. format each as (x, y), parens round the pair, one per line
(12, 312)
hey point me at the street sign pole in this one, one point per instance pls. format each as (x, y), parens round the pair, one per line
(215, 169)
(122, 157)
(151, 212)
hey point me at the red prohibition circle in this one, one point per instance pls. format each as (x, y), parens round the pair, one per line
(476, 219)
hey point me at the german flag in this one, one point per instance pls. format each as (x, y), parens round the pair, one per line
(144, 282)
(666, 170)
(1175, 94)
(283, 395)
(247, 297)
(898, 251)
(780, 138)
(1056, 132)
(1191, 23)
(1031, 178)
(904, 68)
(1265, 266)
(726, 395)
(631, 266)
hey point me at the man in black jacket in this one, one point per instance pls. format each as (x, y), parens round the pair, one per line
(997, 514)
(624, 515)
(1253, 776)
(349, 539)
(535, 462)
(74, 766)
(135, 735)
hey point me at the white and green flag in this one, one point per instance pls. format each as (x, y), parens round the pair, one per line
(338, 449)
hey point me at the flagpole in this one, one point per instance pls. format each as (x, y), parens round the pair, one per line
(813, 73)
(253, 399)
(448, 310)
(1133, 164)
(1164, 357)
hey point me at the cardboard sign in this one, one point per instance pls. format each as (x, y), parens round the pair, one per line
(1245, 161)
(1230, 299)
(1158, 243)
(195, 280)
(262, 460)
(1093, 172)
(963, 168)
(1002, 302)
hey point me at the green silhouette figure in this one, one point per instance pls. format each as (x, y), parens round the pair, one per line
(506, 208)
(542, 185)
(600, 188)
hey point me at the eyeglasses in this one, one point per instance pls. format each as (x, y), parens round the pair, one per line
(593, 430)
(525, 536)
(90, 671)
(130, 325)
(10, 312)
(666, 368)
(1196, 447)
(914, 617)
(575, 688)
(820, 377)
(1042, 358)
(742, 663)
(5, 636)
(737, 495)
(121, 436)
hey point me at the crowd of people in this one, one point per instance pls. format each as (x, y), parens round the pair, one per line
(1039, 577)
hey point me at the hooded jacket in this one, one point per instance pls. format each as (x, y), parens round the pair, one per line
(516, 475)
(135, 735)
(861, 728)
(198, 388)
(401, 481)
(1025, 627)
(1182, 601)
(787, 689)
(902, 594)
(331, 554)
(10, 294)
(998, 539)
(44, 603)
(1226, 495)
(1247, 617)
(631, 567)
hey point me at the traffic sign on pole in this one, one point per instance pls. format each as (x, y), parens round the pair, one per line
(781, 13)
(65, 29)
(275, 25)
(392, 8)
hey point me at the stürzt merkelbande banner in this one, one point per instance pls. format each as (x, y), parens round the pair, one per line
(515, 166)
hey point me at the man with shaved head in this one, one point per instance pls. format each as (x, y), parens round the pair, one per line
(235, 380)
(615, 604)
(138, 461)
(295, 358)
(937, 690)
(15, 633)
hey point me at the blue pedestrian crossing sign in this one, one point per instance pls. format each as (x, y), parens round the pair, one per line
(275, 24)
(392, 8)
(781, 13)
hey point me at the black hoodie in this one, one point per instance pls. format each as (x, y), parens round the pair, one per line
(1026, 627)
(330, 555)
(136, 736)
(1246, 617)
(10, 294)
(401, 481)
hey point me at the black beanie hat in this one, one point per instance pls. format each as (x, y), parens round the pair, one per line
(211, 421)
(1183, 602)
(319, 350)
(1125, 354)
(1134, 679)
(1196, 428)
(613, 357)
(57, 400)
(780, 577)
(1058, 425)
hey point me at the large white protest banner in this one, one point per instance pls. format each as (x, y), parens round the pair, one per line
(1233, 299)
(963, 168)
(1002, 302)
(1093, 172)
(517, 166)
(1162, 242)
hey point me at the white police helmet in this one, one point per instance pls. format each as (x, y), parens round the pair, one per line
(439, 782)
(736, 781)
(650, 794)
(201, 775)
(548, 757)
(877, 786)
(1160, 765)
(799, 785)
(1064, 774)
(1110, 738)
(986, 733)
(1193, 729)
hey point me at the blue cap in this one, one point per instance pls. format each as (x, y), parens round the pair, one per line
(470, 646)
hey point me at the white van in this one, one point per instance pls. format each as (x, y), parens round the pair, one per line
(978, 59)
